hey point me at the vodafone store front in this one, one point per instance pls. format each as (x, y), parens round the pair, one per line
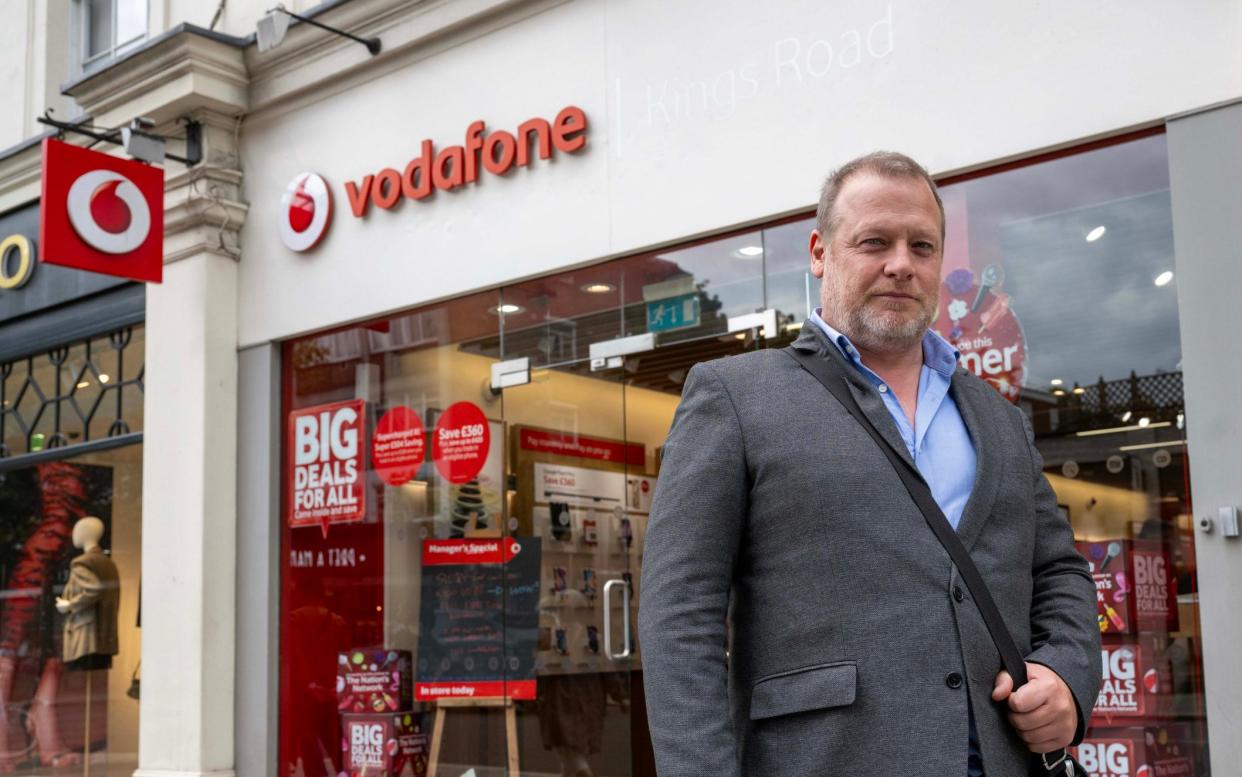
(465, 324)
(466, 490)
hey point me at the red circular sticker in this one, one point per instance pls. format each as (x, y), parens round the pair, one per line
(461, 442)
(398, 445)
(981, 324)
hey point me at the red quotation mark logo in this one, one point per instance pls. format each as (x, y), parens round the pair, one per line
(306, 209)
(108, 212)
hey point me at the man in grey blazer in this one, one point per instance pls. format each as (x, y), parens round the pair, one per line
(799, 618)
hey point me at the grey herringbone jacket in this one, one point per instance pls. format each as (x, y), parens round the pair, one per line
(775, 510)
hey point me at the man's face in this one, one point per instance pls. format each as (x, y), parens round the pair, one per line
(881, 267)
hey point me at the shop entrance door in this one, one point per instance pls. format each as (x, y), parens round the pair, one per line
(577, 491)
(585, 449)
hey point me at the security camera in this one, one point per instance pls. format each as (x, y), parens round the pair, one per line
(142, 123)
(1205, 524)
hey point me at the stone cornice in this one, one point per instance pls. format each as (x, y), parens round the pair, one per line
(168, 78)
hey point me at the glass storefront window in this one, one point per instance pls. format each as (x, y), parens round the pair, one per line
(68, 693)
(400, 462)
(1059, 289)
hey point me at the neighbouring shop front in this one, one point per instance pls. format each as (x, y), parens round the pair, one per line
(71, 424)
(460, 561)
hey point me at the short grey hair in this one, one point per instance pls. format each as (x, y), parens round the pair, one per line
(888, 164)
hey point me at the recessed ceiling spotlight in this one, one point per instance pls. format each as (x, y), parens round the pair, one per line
(1144, 421)
(103, 377)
(1079, 390)
(1126, 416)
(1096, 233)
(84, 384)
(1058, 392)
(1163, 278)
(507, 309)
(749, 252)
(1056, 381)
(598, 288)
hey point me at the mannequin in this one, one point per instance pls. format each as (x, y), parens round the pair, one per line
(90, 601)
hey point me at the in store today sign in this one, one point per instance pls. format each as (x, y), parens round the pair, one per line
(306, 206)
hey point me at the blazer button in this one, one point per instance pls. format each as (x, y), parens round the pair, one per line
(958, 595)
(953, 680)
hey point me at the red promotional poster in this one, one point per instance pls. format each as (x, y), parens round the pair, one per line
(1134, 589)
(1170, 750)
(398, 445)
(1110, 565)
(581, 447)
(461, 442)
(1131, 681)
(101, 213)
(1155, 589)
(393, 745)
(374, 680)
(326, 476)
(1113, 754)
(975, 316)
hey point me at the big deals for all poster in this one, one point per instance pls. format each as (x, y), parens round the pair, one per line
(326, 483)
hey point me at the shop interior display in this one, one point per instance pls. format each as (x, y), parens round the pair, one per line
(69, 613)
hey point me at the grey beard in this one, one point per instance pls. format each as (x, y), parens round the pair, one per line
(876, 331)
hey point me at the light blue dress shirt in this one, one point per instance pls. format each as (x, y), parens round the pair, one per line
(938, 441)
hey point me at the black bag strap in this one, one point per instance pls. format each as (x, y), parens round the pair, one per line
(825, 370)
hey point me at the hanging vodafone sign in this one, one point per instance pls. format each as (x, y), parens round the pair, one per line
(101, 213)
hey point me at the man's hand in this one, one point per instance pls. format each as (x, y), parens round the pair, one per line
(1042, 711)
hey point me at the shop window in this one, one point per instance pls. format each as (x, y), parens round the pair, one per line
(1058, 290)
(69, 683)
(86, 391)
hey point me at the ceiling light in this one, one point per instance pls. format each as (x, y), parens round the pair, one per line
(507, 309)
(1079, 390)
(1144, 422)
(740, 335)
(598, 288)
(84, 384)
(749, 252)
(1116, 429)
(103, 377)
(1056, 381)
(1163, 278)
(1096, 234)
(1058, 392)
(1126, 416)
(793, 326)
(1141, 446)
(1181, 420)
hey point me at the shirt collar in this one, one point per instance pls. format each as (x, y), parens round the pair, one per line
(938, 354)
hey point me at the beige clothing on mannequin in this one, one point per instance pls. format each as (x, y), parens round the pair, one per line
(93, 594)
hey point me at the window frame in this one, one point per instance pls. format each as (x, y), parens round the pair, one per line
(84, 62)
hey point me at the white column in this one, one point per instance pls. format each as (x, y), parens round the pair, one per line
(1205, 171)
(189, 521)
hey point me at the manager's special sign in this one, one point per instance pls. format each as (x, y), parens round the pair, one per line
(326, 467)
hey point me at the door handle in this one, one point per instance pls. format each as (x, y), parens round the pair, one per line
(625, 611)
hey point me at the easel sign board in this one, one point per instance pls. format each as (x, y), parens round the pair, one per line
(480, 619)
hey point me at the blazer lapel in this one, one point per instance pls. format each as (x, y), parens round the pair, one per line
(813, 338)
(974, 411)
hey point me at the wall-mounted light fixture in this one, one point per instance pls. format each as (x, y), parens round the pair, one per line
(271, 30)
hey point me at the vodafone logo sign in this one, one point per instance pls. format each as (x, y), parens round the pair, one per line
(305, 212)
(101, 213)
(108, 212)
